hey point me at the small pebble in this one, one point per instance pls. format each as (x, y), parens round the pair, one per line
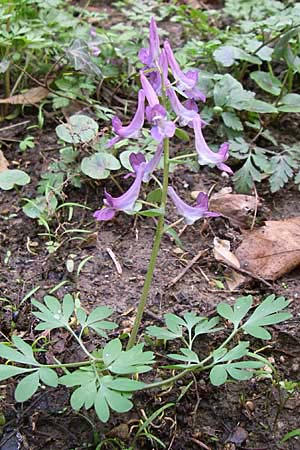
(250, 406)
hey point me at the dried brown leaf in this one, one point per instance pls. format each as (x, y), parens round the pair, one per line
(238, 208)
(272, 250)
(222, 253)
(235, 280)
(3, 162)
(33, 95)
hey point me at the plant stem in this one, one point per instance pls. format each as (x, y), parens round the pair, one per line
(155, 249)
(91, 357)
(200, 367)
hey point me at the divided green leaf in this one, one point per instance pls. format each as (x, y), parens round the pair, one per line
(269, 312)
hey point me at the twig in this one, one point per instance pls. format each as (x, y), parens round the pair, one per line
(190, 264)
(14, 125)
(201, 444)
(245, 272)
(256, 206)
(115, 261)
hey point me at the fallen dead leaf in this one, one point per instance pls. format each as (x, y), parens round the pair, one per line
(272, 250)
(236, 280)
(33, 95)
(193, 3)
(222, 253)
(238, 208)
(3, 162)
(238, 436)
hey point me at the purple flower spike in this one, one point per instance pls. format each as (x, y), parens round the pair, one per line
(191, 213)
(131, 130)
(136, 159)
(148, 56)
(123, 203)
(186, 82)
(186, 115)
(205, 154)
(156, 113)
(149, 91)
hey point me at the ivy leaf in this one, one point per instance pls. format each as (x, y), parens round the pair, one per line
(267, 313)
(267, 82)
(99, 165)
(282, 169)
(27, 387)
(10, 178)
(227, 55)
(238, 312)
(230, 92)
(79, 55)
(78, 130)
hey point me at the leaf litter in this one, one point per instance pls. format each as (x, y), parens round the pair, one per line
(272, 250)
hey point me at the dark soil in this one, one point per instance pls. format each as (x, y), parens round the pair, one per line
(235, 416)
(243, 415)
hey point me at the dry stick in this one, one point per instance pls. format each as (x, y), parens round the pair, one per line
(15, 125)
(200, 444)
(190, 264)
(245, 272)
(115, 261)
(256, 207)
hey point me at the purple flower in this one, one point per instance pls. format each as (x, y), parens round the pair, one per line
(185, 114)
(123, 203)
(95, 50)
(131, 130)
(156, 113)
(136, 159)
(94, 42)
(191, 213)
(205, 154)
(149, 56)
(186, 82)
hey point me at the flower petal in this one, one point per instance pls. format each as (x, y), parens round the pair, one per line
(205, 154)
(190, 213)
(134, 126)
(104, 214)
(149, 91)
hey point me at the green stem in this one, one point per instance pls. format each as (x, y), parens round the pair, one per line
(155, 249)
(177, 158)
(81, 343)
(70, 365)
(200, 367)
